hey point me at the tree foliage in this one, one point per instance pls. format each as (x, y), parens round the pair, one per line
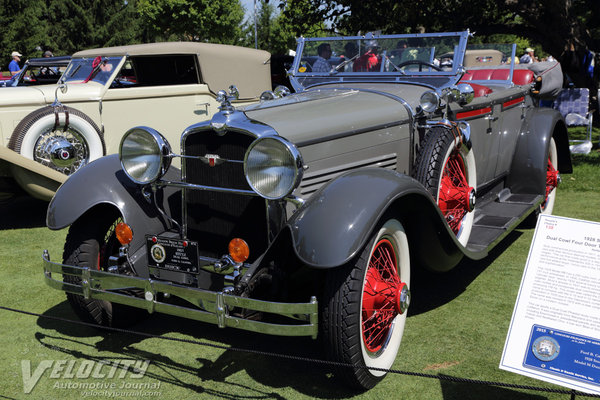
(67, 26)
(197, 20)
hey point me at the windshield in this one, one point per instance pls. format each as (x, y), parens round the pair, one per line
(378, 57)
(397, 54)
(97, 69)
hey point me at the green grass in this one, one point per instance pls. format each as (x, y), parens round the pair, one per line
(456, 327)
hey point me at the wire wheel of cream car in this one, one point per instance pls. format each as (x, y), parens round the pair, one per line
(90, 243)
(447, 170)
(60, 137)
(365, 307)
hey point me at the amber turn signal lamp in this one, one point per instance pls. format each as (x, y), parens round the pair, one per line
(239, 250)
(124, 233)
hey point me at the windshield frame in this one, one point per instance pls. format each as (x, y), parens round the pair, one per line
(82, 70)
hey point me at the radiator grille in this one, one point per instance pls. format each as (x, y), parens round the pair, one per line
(214, 218)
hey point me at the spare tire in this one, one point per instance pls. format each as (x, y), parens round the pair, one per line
(58, 137)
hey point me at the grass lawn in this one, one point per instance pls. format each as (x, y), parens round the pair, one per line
(457, 325)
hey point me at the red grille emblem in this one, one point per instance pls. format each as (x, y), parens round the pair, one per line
(211, 159)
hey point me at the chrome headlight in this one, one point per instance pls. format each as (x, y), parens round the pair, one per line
(273, 167)
(145, 155)
(430, 101)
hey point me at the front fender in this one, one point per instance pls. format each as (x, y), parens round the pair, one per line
(337, 221)
(103, 183)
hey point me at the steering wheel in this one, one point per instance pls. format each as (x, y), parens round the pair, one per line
(419, 63)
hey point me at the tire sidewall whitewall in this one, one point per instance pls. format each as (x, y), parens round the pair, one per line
(45, 123)
(394, 231)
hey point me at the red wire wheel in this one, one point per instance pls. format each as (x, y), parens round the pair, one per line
(446, 168)
(381, 296)
(552, 180)
(455, 196)
(365, 307)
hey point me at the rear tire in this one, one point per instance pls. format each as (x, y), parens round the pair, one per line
(365, 307)
(551, 180)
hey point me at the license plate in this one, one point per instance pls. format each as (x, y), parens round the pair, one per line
(172, 254)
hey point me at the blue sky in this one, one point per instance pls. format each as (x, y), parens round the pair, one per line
(249, 6)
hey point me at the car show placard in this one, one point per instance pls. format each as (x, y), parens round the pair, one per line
(554, 334)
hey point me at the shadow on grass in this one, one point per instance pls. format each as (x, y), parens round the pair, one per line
(315, 380)
(460, 391)
(311, 379)
(431, 290)
(22, 212)
(592, 159)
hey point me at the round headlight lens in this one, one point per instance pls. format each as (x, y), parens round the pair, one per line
(430, 101)
(273, 167)
(144, 154)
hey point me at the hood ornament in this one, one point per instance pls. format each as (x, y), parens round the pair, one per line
(225, 99)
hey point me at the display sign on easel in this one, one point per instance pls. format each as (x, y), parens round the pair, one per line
(554, 334)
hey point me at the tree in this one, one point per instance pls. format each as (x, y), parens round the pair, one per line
(17, 32)
(274, 33)
(198, 20)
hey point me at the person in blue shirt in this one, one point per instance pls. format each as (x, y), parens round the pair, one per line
(14, 66)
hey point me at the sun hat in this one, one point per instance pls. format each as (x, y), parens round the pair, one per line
(16, 53)
(529, 50)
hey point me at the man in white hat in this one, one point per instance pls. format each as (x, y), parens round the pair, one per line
(528, 57)
(14, 66)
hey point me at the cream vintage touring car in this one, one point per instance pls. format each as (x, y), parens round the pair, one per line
(47, 132)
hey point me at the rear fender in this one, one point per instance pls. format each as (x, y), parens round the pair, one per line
(101, 184)
(36, 179)
(336, 222)
(528, 169)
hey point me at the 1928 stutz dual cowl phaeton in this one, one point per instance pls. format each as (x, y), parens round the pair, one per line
(304, 214)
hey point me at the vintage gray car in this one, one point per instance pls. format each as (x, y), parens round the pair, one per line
(305, 214)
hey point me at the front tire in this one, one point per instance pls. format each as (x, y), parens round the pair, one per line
(90, 242)
(60, 137)
(447, 170)
(365, 307)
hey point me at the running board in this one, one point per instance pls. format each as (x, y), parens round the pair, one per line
(497, 218)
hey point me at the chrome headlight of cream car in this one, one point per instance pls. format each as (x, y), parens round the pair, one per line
(273, 167)
(145, 155)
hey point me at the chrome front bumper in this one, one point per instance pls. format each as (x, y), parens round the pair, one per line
(213, 307)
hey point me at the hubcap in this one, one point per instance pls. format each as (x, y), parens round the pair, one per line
(456, 198)
(384, 296)
(65, 152)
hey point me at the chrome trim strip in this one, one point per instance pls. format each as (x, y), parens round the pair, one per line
(206, 306)
(185, 185)
(342, 135)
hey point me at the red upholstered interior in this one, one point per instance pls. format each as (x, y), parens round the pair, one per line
(480, 90)
(520, 77)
